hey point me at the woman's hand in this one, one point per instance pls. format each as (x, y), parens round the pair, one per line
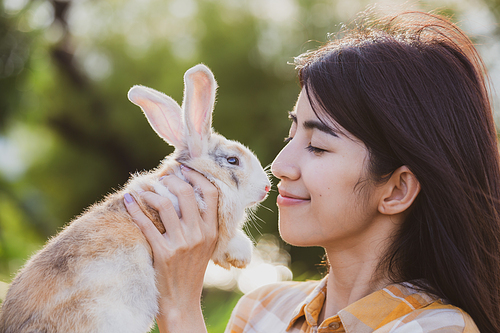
(182, 253)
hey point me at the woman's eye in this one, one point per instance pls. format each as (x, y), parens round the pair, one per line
(233, 160)
(315, 150)
(287, 139)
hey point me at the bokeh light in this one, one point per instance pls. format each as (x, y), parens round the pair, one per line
(269, 264)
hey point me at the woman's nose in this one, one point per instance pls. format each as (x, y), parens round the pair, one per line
(285, 164)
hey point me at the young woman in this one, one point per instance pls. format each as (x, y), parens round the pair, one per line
(392, 166)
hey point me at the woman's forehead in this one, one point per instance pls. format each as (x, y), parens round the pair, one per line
(310, 109)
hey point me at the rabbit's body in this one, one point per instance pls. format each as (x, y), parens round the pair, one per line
(97, 274)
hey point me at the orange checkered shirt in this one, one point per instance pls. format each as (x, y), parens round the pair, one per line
(295, 306)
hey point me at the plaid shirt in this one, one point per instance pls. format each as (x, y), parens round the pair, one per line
(295, 306)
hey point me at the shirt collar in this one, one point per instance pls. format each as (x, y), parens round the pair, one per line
(368, 313)
(316, 298)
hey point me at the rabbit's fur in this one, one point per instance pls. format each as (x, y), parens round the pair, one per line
(97, 274)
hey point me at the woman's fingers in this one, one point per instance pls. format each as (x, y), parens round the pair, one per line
(143, 222)
(168, 215)
(185, 194)
(194, 228)
(194, 220)
(201, 227)
(209, 192)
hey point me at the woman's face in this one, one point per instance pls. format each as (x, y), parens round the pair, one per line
(321, 202)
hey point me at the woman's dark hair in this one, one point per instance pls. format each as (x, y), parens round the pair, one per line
(412, 89)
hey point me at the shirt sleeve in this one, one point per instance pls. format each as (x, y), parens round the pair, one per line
(443, 320)
(248, 310)
(238, 318)
(270, 306)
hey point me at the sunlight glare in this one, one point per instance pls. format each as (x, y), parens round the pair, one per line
(14, 6)
(183, 8)
(41, 15)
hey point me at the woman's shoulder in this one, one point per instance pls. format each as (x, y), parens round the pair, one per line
(279, 297)
(434, 317)
(272, 305)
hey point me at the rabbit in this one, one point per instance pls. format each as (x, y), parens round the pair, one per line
(97, 274)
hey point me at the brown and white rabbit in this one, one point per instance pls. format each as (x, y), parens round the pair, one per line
(97, 274)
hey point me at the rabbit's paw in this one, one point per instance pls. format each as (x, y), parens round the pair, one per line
(237, 253)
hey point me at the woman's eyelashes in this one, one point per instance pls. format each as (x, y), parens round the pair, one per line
(309, 147)
(315, 150)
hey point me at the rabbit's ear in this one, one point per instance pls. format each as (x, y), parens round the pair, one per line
(199, 99)
(163, 113)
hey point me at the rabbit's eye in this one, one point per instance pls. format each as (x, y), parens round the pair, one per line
(233, 160)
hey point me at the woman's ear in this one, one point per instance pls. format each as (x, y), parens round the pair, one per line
(399, 192)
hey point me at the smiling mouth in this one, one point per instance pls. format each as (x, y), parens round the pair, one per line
(288, 199)
(289, 195)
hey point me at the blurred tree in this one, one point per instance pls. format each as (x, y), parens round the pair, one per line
(494, 6)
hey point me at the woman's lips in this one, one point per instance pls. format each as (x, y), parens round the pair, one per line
(288, 199)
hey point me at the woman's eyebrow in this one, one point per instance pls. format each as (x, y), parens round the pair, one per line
(312, 124)
(316, 124)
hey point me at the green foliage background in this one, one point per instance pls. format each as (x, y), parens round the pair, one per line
(68, 134)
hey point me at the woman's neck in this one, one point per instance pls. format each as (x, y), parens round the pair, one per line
(347, 285)
(352, 276)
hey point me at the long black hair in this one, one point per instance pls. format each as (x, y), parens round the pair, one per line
(412, 88)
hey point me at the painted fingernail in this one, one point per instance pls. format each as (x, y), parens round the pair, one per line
(183, 167)
(128, 198)
(162, 177)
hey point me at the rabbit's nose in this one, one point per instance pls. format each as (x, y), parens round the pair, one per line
(264, 194)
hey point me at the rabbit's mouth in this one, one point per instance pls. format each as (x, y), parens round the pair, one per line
(262, 196)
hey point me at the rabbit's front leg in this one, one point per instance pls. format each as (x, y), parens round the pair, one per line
(237, 253)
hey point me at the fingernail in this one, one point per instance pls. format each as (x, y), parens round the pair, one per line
(162, 177)
(128, 198)
(183, 167)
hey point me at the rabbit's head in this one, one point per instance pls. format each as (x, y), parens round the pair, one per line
(234, 169)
